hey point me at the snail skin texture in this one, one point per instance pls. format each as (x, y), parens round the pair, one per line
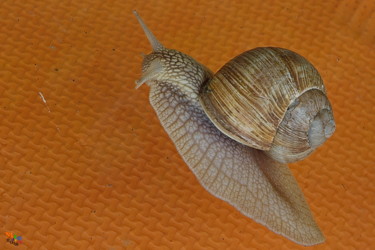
(237, 129)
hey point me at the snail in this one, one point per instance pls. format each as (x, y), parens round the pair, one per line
(237, 129)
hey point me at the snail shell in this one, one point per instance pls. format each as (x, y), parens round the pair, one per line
(270, 99)
(202, 114)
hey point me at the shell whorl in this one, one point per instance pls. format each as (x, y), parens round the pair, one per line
(307, 124)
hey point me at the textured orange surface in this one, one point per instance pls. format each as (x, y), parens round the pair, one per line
(85, 163)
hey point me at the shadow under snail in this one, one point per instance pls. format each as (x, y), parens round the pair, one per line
(237, 129)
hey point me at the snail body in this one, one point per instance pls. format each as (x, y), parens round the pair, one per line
(237, 129)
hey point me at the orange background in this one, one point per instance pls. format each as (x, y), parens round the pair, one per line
(92, 167)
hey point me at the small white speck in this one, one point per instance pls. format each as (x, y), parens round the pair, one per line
(44, 100)
(41, 96)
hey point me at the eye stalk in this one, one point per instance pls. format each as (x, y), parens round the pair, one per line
(151, 66)
(156, 45)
